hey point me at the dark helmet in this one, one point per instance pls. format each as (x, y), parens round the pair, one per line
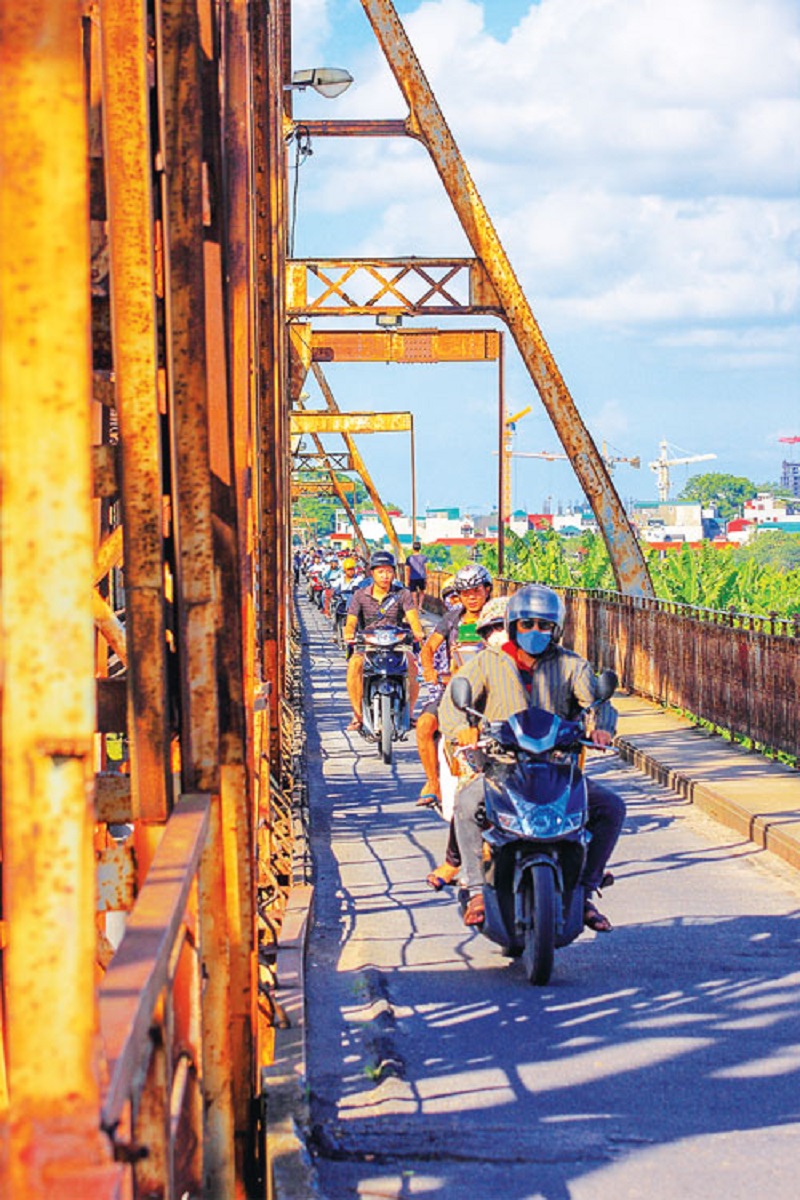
(471, 577)
(382, 558)
(535, 600)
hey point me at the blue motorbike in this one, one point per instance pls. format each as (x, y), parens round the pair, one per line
(534, 827)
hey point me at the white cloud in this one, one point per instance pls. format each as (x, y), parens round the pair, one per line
(311, 28)
(639, 157)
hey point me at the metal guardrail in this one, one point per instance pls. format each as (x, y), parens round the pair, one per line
(737, 671)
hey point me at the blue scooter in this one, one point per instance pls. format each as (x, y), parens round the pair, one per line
(536, 810)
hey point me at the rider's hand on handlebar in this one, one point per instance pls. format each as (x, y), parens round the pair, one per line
(468, 737)
(601, 737)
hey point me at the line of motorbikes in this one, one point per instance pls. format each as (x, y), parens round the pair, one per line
(385, 711)
(535, 809)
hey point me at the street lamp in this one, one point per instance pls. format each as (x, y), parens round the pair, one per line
(328, 81)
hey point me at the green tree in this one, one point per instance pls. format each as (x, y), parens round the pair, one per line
(772, 548)
(727, 492)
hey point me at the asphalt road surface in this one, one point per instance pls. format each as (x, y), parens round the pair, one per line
(662, 1060)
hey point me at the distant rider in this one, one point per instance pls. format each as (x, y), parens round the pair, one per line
(417, 573)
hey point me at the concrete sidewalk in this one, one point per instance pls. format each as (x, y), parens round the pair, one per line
(748, 793)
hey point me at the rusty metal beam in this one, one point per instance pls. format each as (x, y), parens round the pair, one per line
(322, 460)
(138, 972)
(428, 121)
(128, 172)
(337, 487)
(51, 1143)
(180, 121)
(355, 422)
(405, 345)
(360, 465)
(416, 287)
(381, 129)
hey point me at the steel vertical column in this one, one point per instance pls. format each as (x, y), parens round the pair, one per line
(46, 627)
(427, 122)
(129, 180)
(268, 28)
(182, 117)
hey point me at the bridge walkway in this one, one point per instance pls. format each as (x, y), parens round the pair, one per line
(663, 1051)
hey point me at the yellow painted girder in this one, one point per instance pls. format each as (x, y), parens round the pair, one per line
(362, 422)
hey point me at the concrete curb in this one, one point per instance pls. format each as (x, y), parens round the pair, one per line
(290, 1173)
(751, 795)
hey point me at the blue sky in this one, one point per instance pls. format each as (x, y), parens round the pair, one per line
(641, 162)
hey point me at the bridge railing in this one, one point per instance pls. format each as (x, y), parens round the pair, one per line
(736, 671)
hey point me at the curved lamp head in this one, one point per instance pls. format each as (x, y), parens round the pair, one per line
(328, 81)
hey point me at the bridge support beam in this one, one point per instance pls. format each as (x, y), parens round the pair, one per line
(428, 124)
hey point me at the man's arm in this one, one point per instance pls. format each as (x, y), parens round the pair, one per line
(426, 656)
(603, 720)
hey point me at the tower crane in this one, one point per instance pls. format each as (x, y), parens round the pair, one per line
(509, 429)
(662, 465)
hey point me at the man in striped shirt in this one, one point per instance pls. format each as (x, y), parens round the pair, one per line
(533, 670)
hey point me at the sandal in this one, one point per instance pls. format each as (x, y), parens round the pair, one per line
(475, 912)
(354, 726)
(428, 800)
(594, 919)
(441, 877)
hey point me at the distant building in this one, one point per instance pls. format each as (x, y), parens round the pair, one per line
(676, 522)
(790, 477)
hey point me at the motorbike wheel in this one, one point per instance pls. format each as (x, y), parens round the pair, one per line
(386, 729)
(540, 934)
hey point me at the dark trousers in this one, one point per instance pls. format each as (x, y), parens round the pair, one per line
(606, 814)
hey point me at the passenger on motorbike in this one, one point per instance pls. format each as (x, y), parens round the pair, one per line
(491, 628)
(533, 669)
(379, 605)
(455, 639)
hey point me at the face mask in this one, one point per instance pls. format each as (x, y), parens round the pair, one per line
(533, 641)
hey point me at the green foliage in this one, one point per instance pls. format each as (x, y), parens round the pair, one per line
(707, 576)
(727, 492)
(321, 510)
(773, 548)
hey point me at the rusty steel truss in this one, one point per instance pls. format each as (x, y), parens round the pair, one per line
(154, 341)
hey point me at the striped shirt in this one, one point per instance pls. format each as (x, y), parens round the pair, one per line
(562, 683)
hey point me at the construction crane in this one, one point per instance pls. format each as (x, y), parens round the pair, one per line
(553, 456)
(662, 465)
(509, 429)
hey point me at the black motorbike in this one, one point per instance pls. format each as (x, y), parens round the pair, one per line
(339, 603)
(536, 811)
(385, 713)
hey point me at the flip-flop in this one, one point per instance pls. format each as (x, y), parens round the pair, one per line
(594, 919)
(354, 726)
(441, 877)
(428, 800)
(475, 912)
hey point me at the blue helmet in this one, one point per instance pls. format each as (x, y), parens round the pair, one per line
(532, 601)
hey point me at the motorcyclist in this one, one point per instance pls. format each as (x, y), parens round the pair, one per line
(379, 604)
(533, 669)
(455, 637)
